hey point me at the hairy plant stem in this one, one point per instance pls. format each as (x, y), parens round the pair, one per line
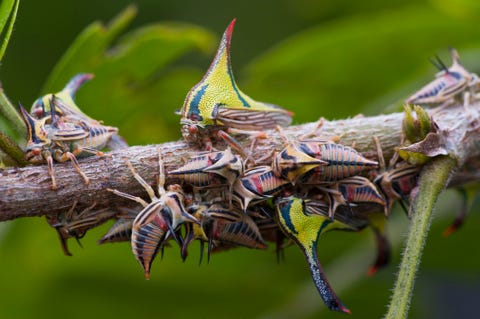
(433, 180)
(12, 150)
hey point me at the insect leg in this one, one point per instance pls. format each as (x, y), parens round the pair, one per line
(51, 171)
(74, 161)
(90, 151)
(467, 201)
(381, 158)
(128, 196)
(383, 251)
(161, 174)
(232, 142)
(315, 131)
(142, 182)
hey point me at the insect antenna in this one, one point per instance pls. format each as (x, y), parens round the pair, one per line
(435, 63)
(441, 64)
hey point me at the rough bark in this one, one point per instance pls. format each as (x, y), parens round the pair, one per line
(27, 191)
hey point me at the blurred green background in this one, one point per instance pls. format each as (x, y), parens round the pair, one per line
(317, 58)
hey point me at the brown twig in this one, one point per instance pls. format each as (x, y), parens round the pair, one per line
(27, 191)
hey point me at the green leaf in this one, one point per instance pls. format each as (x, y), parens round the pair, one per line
(8, 14)
(83, 54)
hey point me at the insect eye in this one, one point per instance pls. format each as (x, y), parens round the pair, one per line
(38, 112)
(194, 117)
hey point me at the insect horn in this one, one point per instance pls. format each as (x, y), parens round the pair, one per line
(304, 229)
(76, 82)
(223, 51)
(455, 56)
(29, 122)
(32, 126)
(167, 215)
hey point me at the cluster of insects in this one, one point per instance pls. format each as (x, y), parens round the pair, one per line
(222, 198)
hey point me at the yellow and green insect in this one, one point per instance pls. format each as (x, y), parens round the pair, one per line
(64, 106)
(216, 103)
(64, 101)
(305, 228)
(61, 140)
(356, 218)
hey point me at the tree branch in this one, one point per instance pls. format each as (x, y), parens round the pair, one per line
(27, 191)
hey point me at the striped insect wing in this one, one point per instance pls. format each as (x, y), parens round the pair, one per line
(243, 233)
(342, 162)
(67, 133)
(218, 212)
(358, 189)
(98, 136)
(148, 233)
(439, 90)
(193, 172)
(247, 118)
(120, 231)
(263, 182)
(318, 207)
(258, 183)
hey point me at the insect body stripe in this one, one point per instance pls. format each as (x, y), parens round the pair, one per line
(193, 107)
